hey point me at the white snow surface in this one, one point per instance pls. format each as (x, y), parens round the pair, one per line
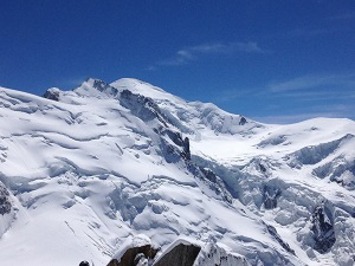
(106, 164)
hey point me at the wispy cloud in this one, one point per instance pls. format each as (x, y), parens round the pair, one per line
(314, 82)
(319, 95)
(191, 53)
(236, 94)
(297, 99)
(294, 118)
(332, 111)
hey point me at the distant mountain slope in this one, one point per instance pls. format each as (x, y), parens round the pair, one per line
(84, 171)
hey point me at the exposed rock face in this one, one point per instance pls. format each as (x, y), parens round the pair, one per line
(242, 121)
(103, 86)
(135, 256)
(209, 174)
(323, 230)
(272, 231)
(270, 197)
(178, 140)
(186, 146)
(142, 107)
(180, 255)
(5, 205)
(52, 94)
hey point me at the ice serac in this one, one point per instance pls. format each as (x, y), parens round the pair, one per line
(122, 169)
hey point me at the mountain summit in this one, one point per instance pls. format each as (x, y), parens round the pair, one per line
(106, 170)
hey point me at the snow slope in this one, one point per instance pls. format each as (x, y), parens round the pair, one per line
(85, 171)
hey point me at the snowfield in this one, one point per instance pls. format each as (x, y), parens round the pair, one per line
(86, 173)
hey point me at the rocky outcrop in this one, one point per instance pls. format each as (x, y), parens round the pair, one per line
(102, 86)
(140, 106)
(5, 205)
(323, 230)
(209, 174)
(183, 143)
(52, 94)
(242, 121)
(270, 196)
(181, 255)
(135, 256)
(272, 231)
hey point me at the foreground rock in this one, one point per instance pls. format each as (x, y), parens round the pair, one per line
(183, 254)
(135, 256)
(180, 253)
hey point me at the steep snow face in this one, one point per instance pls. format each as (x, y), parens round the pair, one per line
(83, 171)
(193, 117)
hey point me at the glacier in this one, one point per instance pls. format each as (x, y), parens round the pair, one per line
(86, 173)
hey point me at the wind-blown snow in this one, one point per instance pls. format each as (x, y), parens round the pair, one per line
(85, 170)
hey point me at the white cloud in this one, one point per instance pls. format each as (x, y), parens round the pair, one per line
(294, 118)
(214, 48)
(313, 82)
(191, 53)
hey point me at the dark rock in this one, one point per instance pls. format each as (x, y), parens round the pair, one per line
(323, 231)
(272, 231)
(52, 94)
(180, 255)
(100, 85)
(170, 152)
(209, 174)
(140, 106)
(174, 136)
(242, 121)
(5, 205)
(186, 147)
(174, 154)
(270, 196)
(262, 168)
(133, 255)
(84, 263)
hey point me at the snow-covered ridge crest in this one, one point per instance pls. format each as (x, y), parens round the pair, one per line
(190, 117)
(104, 163)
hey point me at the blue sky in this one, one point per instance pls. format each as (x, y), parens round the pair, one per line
(274, 61)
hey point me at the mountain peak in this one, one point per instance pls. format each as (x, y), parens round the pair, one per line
(143, 88)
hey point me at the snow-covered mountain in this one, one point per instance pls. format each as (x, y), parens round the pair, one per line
(84, 174)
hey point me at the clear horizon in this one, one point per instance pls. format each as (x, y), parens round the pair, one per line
(279, 62)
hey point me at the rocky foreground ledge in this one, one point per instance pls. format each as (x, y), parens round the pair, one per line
(141, 252)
